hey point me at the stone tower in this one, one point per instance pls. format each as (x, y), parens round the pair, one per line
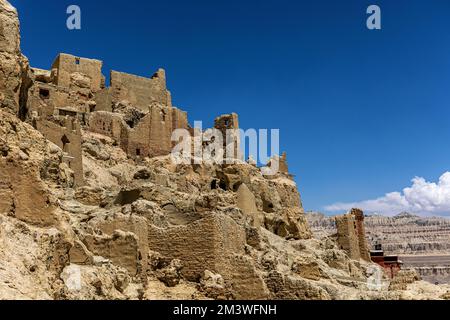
(351, 235)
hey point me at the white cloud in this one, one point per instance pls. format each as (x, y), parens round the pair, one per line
(422, 197)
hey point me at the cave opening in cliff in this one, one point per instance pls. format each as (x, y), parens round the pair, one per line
(127, 197)
(267, 206)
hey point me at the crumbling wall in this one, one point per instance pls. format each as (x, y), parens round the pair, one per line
(103, 100)
(347, 237)
(67, 65)
(157, 130)
(67, 136)
(229, 124)
(179, 119)
(75, 88)
(47, 99)
(122, 248)
(283, 166)
(133, 224)
(109, 124)
(361, 232)
(351, 235)
(200, 245)
(140, 91)
(215, 243)
(42, 100)
(150, 136)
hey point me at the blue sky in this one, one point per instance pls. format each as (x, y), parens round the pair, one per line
(360, 112)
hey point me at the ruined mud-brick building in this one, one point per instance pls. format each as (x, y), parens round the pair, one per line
(135, 111)
(134, 219)
(351, 234)
(142, 228)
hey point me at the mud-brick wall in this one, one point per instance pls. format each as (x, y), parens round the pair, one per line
(200, 245)
(139, 91)
(68, 64)
(347, 236)
(69, 140)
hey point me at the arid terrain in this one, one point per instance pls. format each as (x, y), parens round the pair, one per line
(423, 243)
(93, 205)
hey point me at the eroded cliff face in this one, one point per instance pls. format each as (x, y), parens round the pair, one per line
(135, 227)
(13, 65)
(33, 239)
(423, 243)
(403, 234)
(410, 234)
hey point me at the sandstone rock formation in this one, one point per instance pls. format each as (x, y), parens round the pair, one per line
(93, 206)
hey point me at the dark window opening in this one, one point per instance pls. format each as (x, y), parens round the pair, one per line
(77, 60)
(213, 184)
(163, 116)
(130, 123)
(91, 108)
(138, 152)
(127, 197)
(44, 93)
(222, 185)
(65, 141)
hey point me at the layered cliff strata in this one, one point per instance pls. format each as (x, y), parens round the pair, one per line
(402, 234)
(423, 243)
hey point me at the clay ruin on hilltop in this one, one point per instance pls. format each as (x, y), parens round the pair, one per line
(135, 111)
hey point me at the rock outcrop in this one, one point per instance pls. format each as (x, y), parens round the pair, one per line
(14, 80)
